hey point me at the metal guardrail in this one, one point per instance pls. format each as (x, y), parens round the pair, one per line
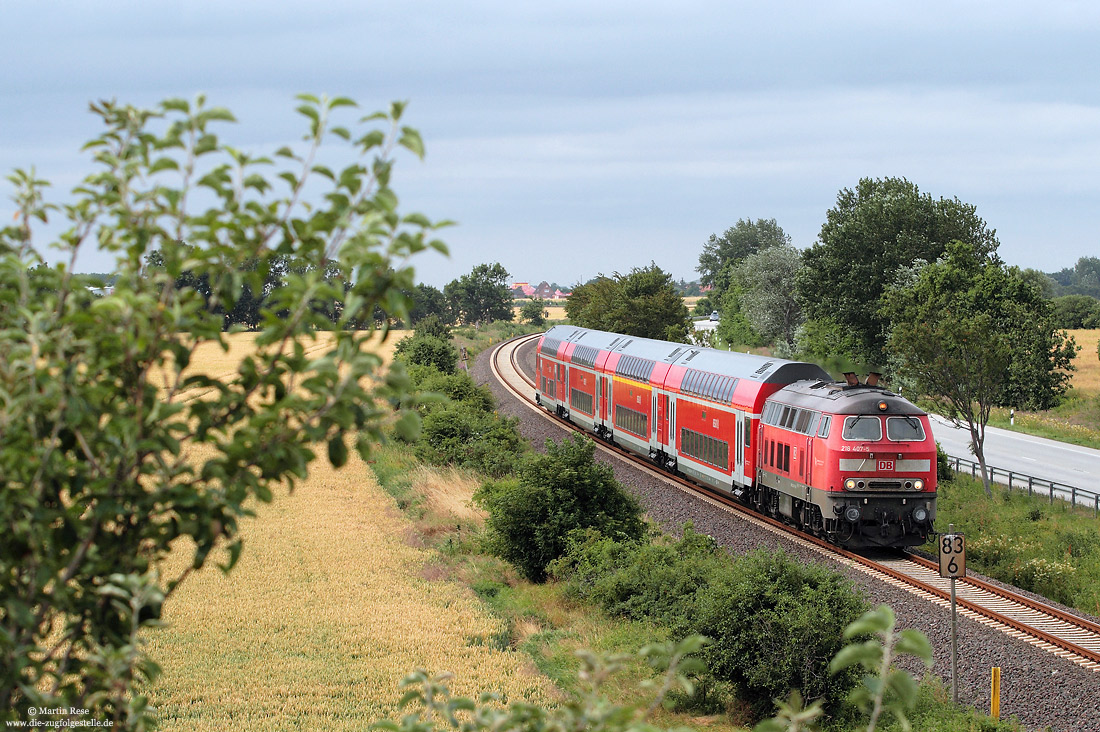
(1020, 481)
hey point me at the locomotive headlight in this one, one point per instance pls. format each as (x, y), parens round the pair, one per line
(918, 485)
(920, 514)
(850, 484)
(851, 514)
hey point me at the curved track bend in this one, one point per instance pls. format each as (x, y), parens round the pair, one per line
(1066, 635)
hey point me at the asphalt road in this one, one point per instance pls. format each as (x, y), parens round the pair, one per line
(1036, 456)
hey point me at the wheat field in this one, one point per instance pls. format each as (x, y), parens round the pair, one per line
(1087, 376)
(328, 609)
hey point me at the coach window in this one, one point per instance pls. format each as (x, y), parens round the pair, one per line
(862, 428)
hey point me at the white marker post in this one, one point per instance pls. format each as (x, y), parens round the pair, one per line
(953, 566)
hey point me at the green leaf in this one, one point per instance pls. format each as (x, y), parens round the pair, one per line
(322, 170)
(342, 102)
(866, 654)
(307, 98)
(879, 620)
(286, 152)
(163, 164)
(337, 451)
(176, 104)
(916, 643)
(410, 139)
(310, 112)
(374, 138)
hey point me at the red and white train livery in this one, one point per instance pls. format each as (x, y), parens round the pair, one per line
(850, 462)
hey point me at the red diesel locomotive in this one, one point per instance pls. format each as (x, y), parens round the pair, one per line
(850, 462)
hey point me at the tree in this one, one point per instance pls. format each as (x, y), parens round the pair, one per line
(642, 303)
(1083, 279)
(881, 226)
(1076, 311)
(113, 448)
(481, 296)
(426, 301)
(739, 241)
(971, 334)
(534, 312)
(766, 284)
(734, 327)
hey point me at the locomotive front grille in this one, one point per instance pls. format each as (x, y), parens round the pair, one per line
(884, 485)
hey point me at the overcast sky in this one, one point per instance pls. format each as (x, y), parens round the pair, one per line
(573, 138)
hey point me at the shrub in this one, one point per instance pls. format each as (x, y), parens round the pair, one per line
(944, 471)
(465, 435)
(427, 351)
(531, 517)
(641, 580)
(775, 625)
(458, 387)
(431, 326)
(1055, 580)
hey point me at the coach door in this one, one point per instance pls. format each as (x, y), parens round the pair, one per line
(662, 419)
(605, 394)
(739, 449)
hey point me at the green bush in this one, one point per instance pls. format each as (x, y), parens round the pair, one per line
(432, 327)
(1055, 580)
(465, 435)
(427, 351)
(458, 387)
(775, 624)
(641, 580)
(944, 471)
(530, 517)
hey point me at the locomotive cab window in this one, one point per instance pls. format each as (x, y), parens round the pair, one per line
(904, 429)
(864, 428)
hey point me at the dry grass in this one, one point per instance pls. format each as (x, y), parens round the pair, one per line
(447, 492)
(328, 609)
(1086, 378)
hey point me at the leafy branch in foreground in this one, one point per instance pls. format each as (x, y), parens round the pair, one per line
(590, 709)
(113, 447)
(884, 688)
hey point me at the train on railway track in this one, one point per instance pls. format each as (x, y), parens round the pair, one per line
(850, 461)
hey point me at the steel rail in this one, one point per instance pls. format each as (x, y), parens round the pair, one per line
(1091, 658)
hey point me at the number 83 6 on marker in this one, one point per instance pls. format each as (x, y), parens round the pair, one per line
(952, 555)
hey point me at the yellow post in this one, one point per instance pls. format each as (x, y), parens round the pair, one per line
(995, 694)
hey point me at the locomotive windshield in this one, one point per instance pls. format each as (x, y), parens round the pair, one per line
(904, 429)
(862, 428)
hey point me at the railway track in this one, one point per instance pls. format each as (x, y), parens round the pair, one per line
(1063, 634)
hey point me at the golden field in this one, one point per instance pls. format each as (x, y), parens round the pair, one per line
(330, 606)
(555, 310)
(1087, 376)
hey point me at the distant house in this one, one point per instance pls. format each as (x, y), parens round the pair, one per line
(522, 289)
(543, 291)
(559, 295)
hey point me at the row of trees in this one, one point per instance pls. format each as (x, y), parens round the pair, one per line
(477, 297)
(901, 282)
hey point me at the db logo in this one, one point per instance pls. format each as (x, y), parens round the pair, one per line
(885, 464)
